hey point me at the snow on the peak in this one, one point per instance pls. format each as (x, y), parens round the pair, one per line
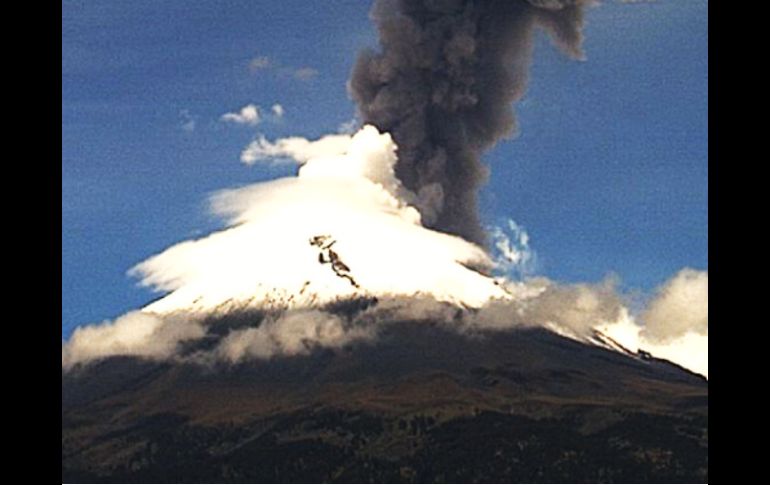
(342, 227)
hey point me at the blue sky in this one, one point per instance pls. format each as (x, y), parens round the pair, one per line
(608, 172)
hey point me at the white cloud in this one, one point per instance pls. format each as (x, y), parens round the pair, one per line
(690, 349)
(576, 307)
(258, 63)
(512, 250)
(305, 73)
(248, 115)
(294, 333)
(294, 148)
(264, 63)
(252, 115)
(570, 309)
(188, 121)
(137, 333)
(680, 306)
(674, 324)
(349, 127)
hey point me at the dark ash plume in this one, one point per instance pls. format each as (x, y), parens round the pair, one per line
(443, 85)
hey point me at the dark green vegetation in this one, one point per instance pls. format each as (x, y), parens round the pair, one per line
(422, 404)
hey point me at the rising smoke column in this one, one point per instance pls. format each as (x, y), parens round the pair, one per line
(443, 85)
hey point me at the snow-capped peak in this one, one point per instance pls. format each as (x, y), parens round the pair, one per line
(343, 227)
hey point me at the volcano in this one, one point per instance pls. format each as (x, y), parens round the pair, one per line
(419, 404)
(325, 335)
(356, 322)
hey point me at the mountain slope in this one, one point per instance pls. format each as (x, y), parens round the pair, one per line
(421, 404)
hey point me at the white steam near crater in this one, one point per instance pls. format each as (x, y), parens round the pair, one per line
(346, 227)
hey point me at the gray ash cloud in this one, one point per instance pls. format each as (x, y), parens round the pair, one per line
(443, 84)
